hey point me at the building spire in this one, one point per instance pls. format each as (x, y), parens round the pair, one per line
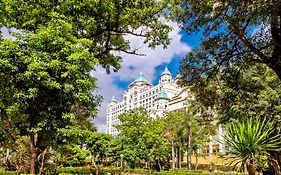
(166, 71)
(113, 99)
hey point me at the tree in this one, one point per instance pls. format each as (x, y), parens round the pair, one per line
(140, 138)
(177, 133)
(105, 23)
(98, 144)
(234, 32)
(248, 142)
(235, 37)
(188, 128)
(45, 72)
(71, 155)
(157, 144)
(133, 127)
(256, 93)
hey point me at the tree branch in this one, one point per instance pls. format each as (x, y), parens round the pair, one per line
(240, 33)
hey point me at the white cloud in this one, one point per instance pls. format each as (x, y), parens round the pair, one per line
(132, 65)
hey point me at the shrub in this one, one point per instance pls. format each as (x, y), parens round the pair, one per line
(75, 170)
(8, 173)
(2, 169)
(142, 171)
(111, 170)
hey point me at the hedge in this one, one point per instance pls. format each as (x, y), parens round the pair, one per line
(75, 170)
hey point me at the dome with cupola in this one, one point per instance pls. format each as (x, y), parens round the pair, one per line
(162, 95)
(113, 99)
(140, 81)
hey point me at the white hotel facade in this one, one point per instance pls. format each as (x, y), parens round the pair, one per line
(164, 97)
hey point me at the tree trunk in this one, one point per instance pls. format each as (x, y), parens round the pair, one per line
(177, 157)
(7, 157)
(276, 168)
(159, 164)
(187, 158)
(278, 161)
(251, 168)
(95, 165)
(43, 160)
(33, 153)
(180, 149)
(196, 158)
(274, 62)
(189, 135)
(173, 155)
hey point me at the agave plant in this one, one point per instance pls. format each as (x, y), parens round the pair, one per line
(249, 141)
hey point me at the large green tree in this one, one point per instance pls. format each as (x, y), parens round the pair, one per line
(229, 70)
(255, 93)
(141, 138)
(45, 72)
(48, 76)
(188, 131)
(105, 23)
(234, 32)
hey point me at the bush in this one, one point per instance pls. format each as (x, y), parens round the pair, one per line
(142, 171)
(3, 171)
(118, 170)
(75, 170)
(50, 168)
(8, 173)
(111, 170)
(191, 172)
(206, 167)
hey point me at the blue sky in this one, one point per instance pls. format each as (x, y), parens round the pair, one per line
(151, 65)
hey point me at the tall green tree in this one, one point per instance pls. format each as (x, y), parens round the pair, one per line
(188, 129)
(48, 74)
(98, 144)
(255, 93)
(45, 72)
(133, 128)
(105, 23)
(141, 139)
(234, 32)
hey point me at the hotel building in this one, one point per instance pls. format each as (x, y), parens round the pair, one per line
(164, 97)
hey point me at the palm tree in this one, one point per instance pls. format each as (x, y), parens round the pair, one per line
(249, 141)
